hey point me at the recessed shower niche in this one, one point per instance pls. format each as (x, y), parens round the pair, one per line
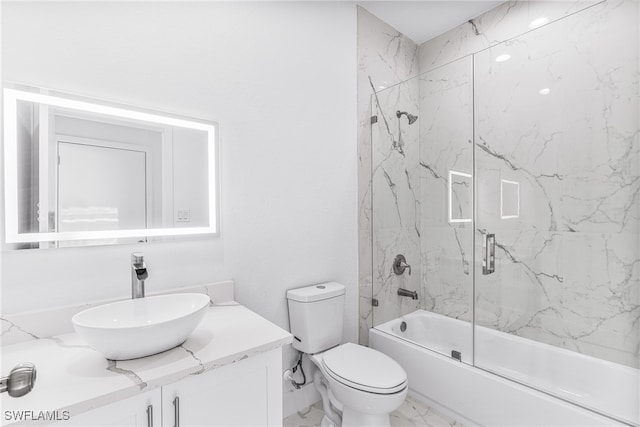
(80, 171)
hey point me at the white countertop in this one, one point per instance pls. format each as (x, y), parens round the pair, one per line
(72, 376)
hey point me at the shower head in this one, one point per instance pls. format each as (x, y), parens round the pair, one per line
(412, 119)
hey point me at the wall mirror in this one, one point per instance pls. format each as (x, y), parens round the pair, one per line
(86, 172)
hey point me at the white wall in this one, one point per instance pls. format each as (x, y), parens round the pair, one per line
(280, 78)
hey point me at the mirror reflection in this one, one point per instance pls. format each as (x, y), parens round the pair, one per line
(89, 173)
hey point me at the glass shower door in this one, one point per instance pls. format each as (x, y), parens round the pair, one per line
(395, 200)
(446, 188)
(557, 184)
(422, 201)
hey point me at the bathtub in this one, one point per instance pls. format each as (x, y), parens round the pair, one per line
(590, 391)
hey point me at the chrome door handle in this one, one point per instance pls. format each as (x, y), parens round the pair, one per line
(488, 253)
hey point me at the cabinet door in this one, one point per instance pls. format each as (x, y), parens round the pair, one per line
(131, 412)
(245, 393)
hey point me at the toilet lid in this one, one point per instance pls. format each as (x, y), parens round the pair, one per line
(364, 368)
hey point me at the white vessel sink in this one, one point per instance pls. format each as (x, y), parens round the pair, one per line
(140, 327)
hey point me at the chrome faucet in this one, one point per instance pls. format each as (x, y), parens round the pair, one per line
(400, 265)
(407, 293)
(138, 274)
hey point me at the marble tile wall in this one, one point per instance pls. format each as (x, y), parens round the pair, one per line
(510, 19)
(385, 58)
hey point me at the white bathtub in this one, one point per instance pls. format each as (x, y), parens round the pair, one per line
(478, 397)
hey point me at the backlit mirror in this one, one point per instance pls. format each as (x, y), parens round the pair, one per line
(81, 172)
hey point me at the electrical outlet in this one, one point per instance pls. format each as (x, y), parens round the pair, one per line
(184, 215)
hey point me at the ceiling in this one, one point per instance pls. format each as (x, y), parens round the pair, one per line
(424, 20)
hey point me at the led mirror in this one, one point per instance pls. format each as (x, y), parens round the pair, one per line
(83, 172)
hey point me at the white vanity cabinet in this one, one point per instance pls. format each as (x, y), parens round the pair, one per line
(244, 393)
(142, 410)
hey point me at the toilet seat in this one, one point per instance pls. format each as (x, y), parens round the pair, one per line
(364, 369)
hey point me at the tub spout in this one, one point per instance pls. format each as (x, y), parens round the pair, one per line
(407, 293)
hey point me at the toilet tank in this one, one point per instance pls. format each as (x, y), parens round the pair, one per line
(315, 315)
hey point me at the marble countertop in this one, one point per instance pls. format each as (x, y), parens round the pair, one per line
(72, 376)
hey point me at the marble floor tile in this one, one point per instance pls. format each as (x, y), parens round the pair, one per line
(308, 417)
(411, 413)
(415, 413)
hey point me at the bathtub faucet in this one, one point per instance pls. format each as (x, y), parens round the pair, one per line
(406, 293)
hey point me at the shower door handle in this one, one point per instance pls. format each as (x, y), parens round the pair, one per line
(488, 253)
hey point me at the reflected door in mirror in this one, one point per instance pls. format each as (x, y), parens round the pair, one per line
(100, 187)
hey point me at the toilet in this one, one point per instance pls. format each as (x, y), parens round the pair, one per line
(359, 386)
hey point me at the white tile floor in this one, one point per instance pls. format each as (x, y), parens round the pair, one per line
(411, 413)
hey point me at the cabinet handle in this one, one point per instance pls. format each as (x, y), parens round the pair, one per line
(150, 416)
(176, 411)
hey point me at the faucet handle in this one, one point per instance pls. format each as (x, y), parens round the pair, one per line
(400, 265)
(137, 258)
(405, 265)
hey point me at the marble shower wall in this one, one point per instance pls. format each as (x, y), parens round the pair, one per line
(502, 23)
(557, 173)
(385, 58)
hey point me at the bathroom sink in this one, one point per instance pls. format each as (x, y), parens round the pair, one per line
(140, 327)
